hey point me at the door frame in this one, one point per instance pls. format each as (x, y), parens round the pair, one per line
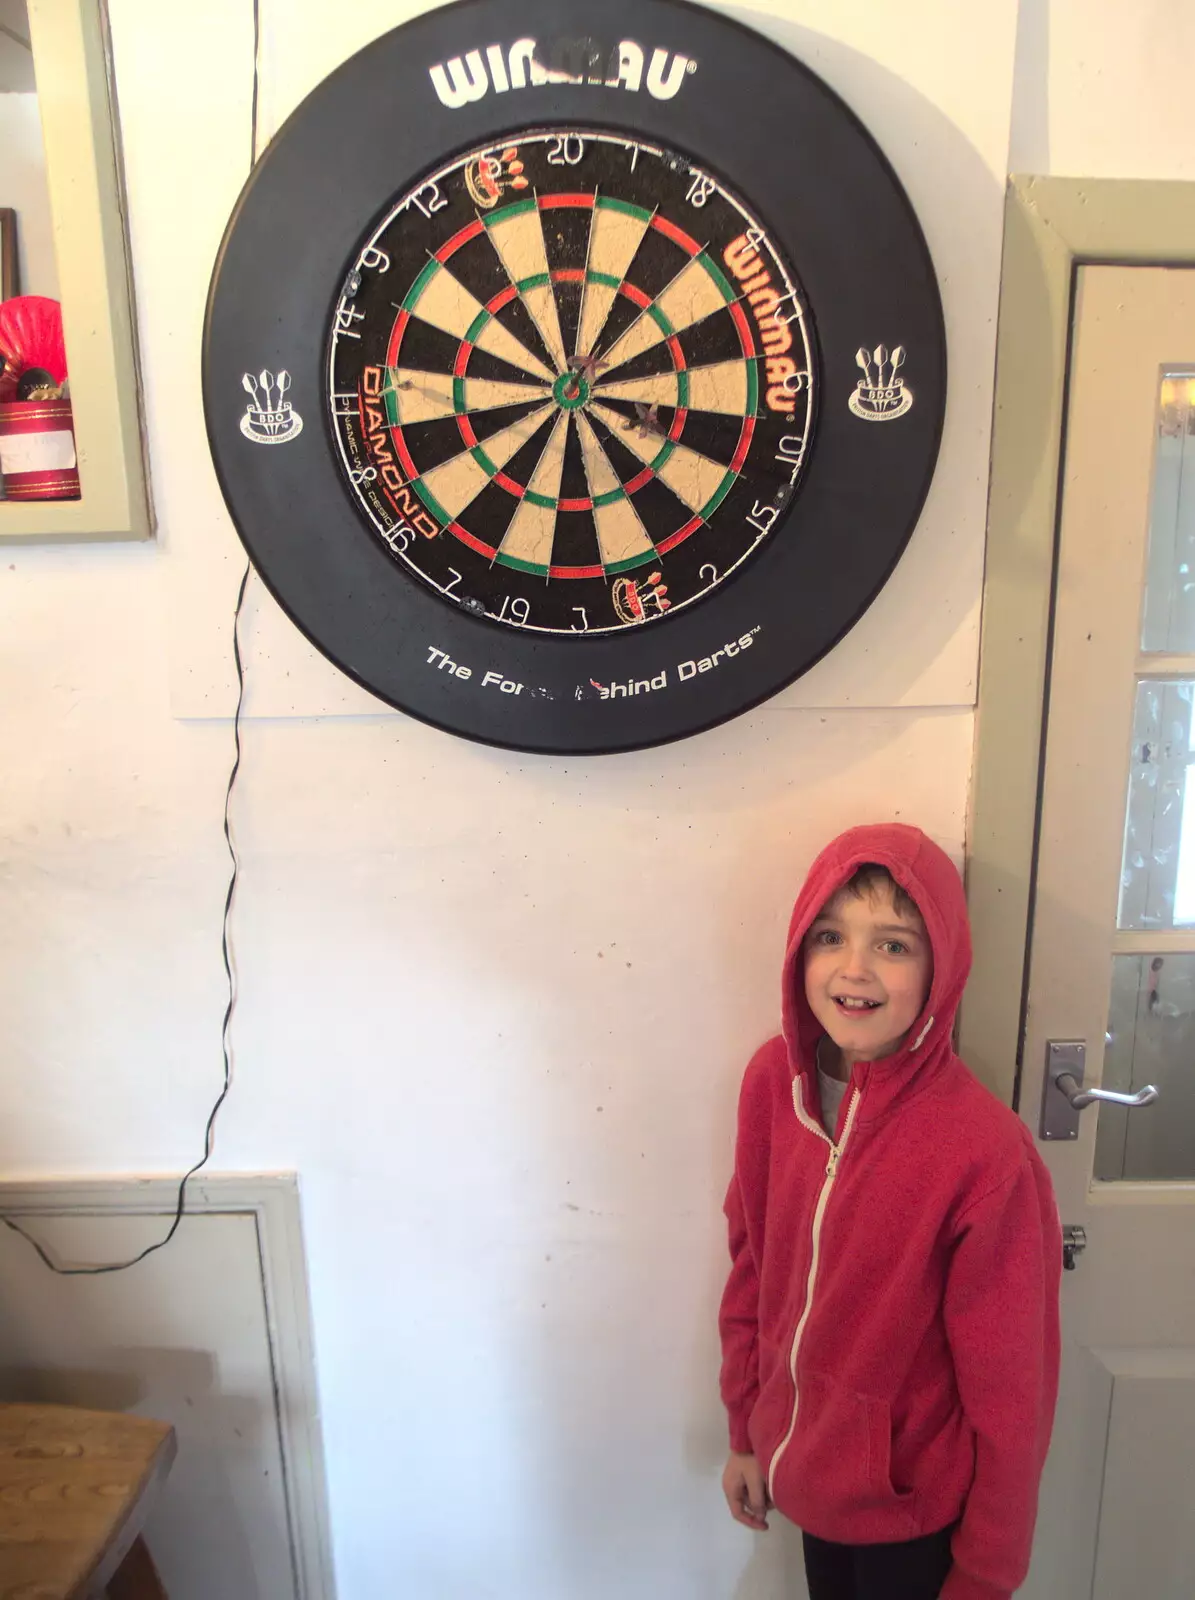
(1052, 226)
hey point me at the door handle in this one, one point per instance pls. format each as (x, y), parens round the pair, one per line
(1079, 1097)
(1063, 1095)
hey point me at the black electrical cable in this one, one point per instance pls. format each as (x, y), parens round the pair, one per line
(123, 1266)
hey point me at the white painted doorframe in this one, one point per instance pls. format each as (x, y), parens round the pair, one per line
(1115, 1513)
(1112, 1515)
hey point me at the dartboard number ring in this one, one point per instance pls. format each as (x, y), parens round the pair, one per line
(546, 389)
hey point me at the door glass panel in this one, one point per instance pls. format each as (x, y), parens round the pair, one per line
(1151, 1020)
(1151, 1039)
(1157, 878)
(1168, 616)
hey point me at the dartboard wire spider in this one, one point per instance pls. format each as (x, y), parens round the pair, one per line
(545, 316)
(597, 338)
(556, 436)
(656, 298)
(589, 363)
(591, 450)
(394, 385)
(581, 365)
(513, 282)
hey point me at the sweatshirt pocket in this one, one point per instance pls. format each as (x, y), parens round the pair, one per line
(836, 1472)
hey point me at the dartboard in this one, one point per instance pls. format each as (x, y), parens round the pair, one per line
(574, 393)
(570, 386)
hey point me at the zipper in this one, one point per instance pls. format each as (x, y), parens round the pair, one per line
(819, 1212)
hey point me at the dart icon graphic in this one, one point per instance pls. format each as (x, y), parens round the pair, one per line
(270, 419)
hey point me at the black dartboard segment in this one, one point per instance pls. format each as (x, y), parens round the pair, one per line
(574, 393)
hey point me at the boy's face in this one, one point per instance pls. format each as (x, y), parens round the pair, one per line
(867, 972)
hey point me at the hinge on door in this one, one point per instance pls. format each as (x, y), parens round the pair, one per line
(1074, 1242)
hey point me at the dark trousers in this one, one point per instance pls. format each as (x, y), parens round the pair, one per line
(915, 1570)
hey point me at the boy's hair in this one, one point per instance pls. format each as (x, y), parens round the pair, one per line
(870, 877)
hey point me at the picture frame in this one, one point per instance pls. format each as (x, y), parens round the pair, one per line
(81, 142)
(10, 272)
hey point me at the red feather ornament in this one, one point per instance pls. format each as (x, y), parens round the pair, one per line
(30, 342)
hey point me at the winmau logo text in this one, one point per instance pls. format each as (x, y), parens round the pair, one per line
(464, 79)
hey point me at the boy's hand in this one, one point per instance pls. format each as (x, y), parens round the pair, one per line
(745, 1491)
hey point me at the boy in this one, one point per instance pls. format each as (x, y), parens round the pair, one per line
(890, 1325)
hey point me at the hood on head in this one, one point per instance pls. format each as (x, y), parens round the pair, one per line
(927, 874)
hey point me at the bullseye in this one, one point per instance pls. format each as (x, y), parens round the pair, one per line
(571, 391)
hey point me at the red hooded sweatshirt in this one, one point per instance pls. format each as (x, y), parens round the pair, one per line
(890, 1325)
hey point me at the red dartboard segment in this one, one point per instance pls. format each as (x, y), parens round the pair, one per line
(739, 317)
(465, 423)
(744, 444)
(472, 541)
(396, 333)
(678, 235)
(550, 202)
(681, 534)
(635, 296)
(450, 248)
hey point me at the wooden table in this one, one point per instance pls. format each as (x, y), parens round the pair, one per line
(75, 1490)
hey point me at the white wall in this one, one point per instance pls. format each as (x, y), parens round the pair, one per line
(492, 1007)
(1116, 88)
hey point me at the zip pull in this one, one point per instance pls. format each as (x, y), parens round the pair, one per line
(837, 1149)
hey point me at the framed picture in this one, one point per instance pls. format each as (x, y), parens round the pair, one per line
(10, 280)
(70, 51)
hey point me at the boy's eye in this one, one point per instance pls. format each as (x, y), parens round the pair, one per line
(895, 947)
(825, 936)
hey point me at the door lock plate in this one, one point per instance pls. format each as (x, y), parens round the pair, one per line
(1059, 1119)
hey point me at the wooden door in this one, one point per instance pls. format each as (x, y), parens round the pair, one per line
(1112, 948)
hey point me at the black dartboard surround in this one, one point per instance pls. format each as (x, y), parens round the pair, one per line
(574, 392)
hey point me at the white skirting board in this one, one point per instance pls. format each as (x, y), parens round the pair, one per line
(213, 1334)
